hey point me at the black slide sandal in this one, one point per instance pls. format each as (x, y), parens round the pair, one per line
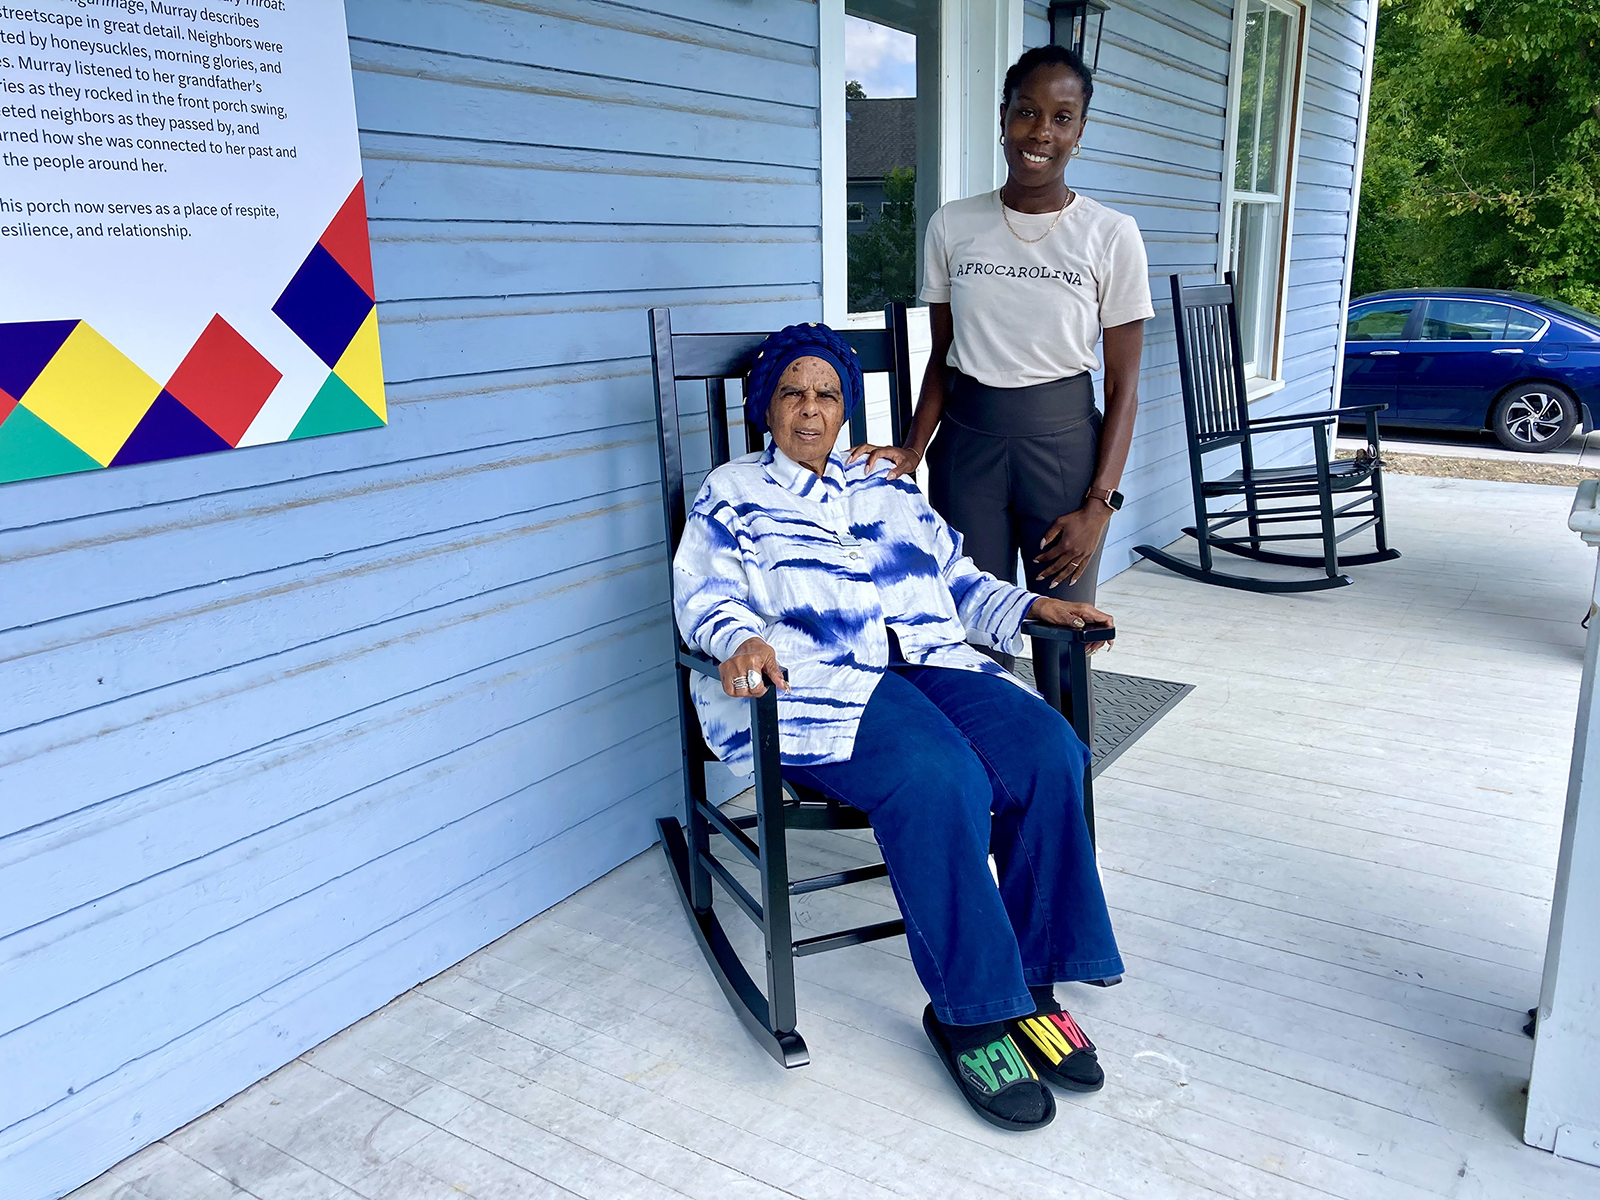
(989, 1072)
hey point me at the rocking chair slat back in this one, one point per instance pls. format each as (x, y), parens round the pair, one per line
(1210, 364)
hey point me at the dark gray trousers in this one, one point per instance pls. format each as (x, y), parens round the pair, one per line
(1007, 462)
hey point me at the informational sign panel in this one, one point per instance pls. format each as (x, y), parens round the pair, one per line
(184, 263)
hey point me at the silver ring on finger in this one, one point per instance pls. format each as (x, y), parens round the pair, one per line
(739, 681)
(752, 680)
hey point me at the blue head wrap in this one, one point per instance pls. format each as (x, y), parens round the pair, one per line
(800, 341)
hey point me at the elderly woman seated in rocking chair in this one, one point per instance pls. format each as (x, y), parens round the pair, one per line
(799, 558)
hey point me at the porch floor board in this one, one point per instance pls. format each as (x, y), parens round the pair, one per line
(1329, 867)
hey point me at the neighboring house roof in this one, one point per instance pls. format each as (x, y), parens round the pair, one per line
(879, 136)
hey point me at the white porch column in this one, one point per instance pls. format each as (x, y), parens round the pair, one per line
(980, 39)
(1564, 1091)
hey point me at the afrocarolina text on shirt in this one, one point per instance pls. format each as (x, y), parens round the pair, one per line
(1012, 271)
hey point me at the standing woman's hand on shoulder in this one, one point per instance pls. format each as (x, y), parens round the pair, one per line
(930, 403)
(905, 460)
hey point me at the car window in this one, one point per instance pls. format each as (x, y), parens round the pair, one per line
(1383, 321)
(1477, 321)
(1522, 325)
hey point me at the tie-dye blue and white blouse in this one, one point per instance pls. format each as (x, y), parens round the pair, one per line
(819, 566)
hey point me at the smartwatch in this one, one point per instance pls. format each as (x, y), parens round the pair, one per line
(1112, 498)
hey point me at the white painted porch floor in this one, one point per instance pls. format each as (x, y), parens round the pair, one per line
(1329, 868)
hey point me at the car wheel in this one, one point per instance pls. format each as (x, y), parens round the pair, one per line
(1536, 417)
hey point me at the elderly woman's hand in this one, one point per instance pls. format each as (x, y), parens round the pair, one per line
(902, 459)
(754, 662)
(1070, 614)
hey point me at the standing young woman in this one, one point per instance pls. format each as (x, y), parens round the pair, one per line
(1021, 284)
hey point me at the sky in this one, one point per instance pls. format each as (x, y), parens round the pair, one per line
(883, 59)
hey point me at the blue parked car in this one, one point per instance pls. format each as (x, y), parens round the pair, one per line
(1522, 366)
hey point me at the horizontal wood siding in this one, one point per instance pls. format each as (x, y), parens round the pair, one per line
(289, 729)
(1154, 149)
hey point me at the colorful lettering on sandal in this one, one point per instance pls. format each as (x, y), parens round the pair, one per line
(997, 1065)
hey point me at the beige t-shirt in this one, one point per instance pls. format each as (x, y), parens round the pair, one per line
(1030, 312)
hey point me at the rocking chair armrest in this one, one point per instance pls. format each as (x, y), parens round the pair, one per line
(1056, 633)
(704, 664)
(1359, 409)
(1292, 421)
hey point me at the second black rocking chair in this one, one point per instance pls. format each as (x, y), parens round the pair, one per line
(769, 1012)
(1330, 500)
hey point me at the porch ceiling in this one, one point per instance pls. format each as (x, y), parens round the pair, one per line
(1330, 869)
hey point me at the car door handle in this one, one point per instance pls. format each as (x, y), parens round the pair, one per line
(1505, 351)
(1376, 353)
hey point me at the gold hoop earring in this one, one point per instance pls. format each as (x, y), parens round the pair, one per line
(1077, 150)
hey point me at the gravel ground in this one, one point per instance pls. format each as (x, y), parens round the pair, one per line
(1505, 471)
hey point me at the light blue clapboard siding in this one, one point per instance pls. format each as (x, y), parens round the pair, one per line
(1154, 149)
(289, 729)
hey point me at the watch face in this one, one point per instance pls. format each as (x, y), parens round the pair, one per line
(1115, 501)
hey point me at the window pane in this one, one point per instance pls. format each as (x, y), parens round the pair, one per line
(1244, 165)
(1465, 321)
(1385, 322)
(1258, 229)
(891, 146)
(1521, 326)
(1274, 83)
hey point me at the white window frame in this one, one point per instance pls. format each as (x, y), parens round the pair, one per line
(1264, 382)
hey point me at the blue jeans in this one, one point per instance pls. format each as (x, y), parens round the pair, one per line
(951, 765)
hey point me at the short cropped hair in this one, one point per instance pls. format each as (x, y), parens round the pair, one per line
(1047, 56)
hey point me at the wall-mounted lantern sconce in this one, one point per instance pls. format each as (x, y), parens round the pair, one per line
(1076, 24)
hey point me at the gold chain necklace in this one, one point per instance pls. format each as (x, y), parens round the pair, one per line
(1071, 196)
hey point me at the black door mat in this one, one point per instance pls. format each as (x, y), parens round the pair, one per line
(1125, 708)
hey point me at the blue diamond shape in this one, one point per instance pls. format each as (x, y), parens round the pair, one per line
(168, 430)
(323, 305)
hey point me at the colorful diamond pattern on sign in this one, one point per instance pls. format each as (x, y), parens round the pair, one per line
(25, 349)
(361, 366)
(71, 401)
(168, 430)
(323, 305)
(346, 239)
(91, 393)
(224, 381)
(335, 410)
(30, 449)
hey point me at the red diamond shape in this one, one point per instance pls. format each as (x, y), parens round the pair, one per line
(347, 240)
(224, 381)
(6, 405)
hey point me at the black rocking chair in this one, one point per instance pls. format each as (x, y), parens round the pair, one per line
(1338, 498)
(779, 805)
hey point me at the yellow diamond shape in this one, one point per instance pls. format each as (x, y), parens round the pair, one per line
(361, 366)
(92, 394)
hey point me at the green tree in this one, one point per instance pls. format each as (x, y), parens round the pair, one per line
(853, 90)
(883, 257)
(1483, 148)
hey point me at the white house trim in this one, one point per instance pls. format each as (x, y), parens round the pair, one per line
(1260, 383)
(830, 117)
(1367, 60)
